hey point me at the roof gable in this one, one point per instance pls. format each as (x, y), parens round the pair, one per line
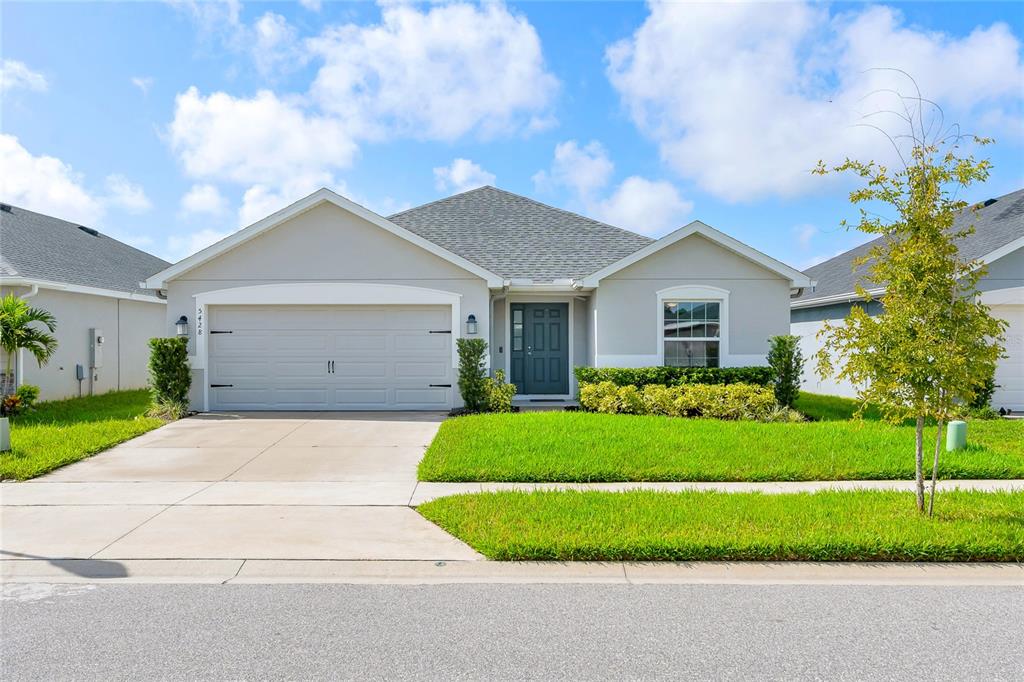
(796, 278)
(321, 196)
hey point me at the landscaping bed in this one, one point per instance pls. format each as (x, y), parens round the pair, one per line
(710, 526)
(580, 446)
(64, 431)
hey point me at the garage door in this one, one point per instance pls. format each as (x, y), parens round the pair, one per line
(330, 357)
(1010, 371)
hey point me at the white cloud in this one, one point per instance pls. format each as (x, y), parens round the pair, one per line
(650, 207)
(143, 83)
(744, 98)
(311, 5)
(263, 140)
(261, 200)
(804, 233)
(180, 246)
(15, 74)
(585, 170)
(274, 45)
(462, 175)
(437, 74)
(203, 198)
(644, 206)
(126, 195)
(44, 184)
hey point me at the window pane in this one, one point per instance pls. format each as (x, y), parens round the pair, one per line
(699, 311)
(713, 311)
(517, 341)
(672, 354)
(517, 316)
(711, 348)
(685, 310)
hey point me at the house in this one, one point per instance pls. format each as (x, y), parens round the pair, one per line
(326, 305)
(998, 241)
(90, 283)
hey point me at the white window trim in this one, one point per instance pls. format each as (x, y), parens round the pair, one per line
(698, 293)
(315, 293)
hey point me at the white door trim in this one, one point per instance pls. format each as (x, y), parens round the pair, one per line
(315, 293)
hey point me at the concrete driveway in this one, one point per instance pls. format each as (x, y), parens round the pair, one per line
(238, 486)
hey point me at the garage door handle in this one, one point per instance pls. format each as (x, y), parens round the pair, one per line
(440, 331)
(214, 331)
(440, 385)
(222, 385)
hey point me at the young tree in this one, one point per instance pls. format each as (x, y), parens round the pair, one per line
(17, 331)
(787, 364)
(935, 344)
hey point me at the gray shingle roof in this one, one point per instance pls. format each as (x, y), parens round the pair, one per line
(516, 237)
(995, 225)
(37, 246)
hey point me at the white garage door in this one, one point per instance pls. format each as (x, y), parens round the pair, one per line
(330, 357)
(1010, 371)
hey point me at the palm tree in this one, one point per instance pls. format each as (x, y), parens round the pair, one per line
(16, 332)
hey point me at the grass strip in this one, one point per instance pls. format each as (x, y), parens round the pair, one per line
(711, 526)
(580, 447)
(60, 432)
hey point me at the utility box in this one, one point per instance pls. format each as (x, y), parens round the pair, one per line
(96, 348)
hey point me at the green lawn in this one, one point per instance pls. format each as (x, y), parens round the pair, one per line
(832, 408)
(580, 446)
(64, 431)
(695, 526)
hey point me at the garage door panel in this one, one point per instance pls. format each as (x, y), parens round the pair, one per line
(1010, 370)
(383, 357)
(361, 370)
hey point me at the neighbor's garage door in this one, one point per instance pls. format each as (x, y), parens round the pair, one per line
(330, 357)
(1010, 370)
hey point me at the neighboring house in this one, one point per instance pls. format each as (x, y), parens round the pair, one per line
(998, 241)
(91, 284)
(326, 305)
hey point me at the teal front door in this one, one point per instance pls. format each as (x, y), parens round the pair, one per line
(540, 348)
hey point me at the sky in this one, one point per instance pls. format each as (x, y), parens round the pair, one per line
(169, 125)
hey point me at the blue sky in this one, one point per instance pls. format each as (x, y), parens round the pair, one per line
(171, 124)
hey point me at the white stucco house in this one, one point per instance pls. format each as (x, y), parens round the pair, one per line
(998, 242)
(90, 283)
(326, 305)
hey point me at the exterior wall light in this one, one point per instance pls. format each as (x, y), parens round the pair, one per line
(181, 326)
(471, 324)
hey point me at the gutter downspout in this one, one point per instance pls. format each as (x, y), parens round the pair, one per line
(20, 359)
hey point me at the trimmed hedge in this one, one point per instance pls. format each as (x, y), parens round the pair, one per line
(716, 401)
(674, 376)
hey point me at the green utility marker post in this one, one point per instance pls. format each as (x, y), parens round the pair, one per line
(956, 436)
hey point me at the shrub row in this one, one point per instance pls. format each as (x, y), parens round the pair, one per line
(674, 376)
(717, 401)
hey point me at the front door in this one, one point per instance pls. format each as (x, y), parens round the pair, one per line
(540, 348)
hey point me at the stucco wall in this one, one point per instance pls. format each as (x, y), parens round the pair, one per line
(628, 314)
(326, 244)
(1005, 273)
(127, 327)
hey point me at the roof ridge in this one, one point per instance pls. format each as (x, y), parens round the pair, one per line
(571, 213)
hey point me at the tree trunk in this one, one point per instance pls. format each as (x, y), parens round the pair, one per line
(935, 468)
(919, 462)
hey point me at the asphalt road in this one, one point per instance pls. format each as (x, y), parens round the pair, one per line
(143, 632)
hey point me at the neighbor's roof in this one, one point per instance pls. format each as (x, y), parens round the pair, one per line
(34, 246)
(997, 224)
(517, 237)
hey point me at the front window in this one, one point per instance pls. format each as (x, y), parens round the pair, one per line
(691, 331)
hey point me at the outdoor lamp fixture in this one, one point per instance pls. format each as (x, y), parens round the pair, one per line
(471, 324)
(181, 326)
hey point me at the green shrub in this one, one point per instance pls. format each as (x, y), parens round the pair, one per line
(786, 362)
(169, 375)
(499, 393)
(472, 375)
(10, 405)
(983, 395)
(28, 394)
(716, 401)
(674, 376)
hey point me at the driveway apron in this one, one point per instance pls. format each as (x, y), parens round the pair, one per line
(238, 486)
